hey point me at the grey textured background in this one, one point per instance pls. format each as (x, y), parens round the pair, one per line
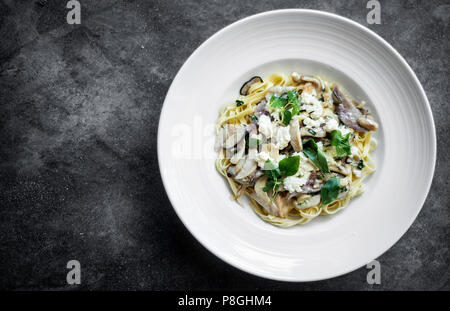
(79, 178)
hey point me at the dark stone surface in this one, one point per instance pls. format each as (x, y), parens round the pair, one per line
(79, 109)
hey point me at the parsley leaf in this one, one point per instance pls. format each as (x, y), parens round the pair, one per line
(341, 143)
(293, 100)
(360, 164)
(273, 185)
(239, 103)
(271, 170)
(289, 166)
(286, 116)
(254, 118)
(312, 151)
(330, 190)
(277, 102)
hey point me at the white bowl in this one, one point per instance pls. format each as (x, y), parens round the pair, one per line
(311, 42)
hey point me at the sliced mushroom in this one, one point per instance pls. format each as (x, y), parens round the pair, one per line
(296, 137)
(263, 198)
(260, 108)
(272, 150)
(314, 183)
(284, 205)
(248, 168)
(239, 166)
(347, 112)
(246, 86)
(344, 169)
(240, 150)
(251, 128)
(230, 135)
(250, 180)
(307, 201)
(368, 124)
(316, 80)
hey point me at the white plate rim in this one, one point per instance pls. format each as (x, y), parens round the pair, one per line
(368, 32)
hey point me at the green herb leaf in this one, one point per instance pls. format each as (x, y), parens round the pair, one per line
(312, 151)
(239, 103)
(271, 170)
(360, 165)
(277, 102)
(341, 143)
(293, 100)
(330, 190)
(286, 116)
(289, 166)
(253, 142)
(272, 184)
(254, 118)
(312, 132)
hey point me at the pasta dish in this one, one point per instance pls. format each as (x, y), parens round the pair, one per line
(296, 145)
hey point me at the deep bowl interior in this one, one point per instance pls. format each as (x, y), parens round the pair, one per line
(311, 42)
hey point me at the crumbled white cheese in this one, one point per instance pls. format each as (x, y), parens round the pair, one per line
(265, 126)
(331, 125)
(293, 183)
(282, 137)
(308, 122)
(311, 104)
(354, 151)
(305, 165)
(344, 130)
(275, 115)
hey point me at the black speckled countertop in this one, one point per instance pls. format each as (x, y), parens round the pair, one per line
(79, 177)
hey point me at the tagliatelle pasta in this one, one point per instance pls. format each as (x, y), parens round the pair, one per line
(296, 145)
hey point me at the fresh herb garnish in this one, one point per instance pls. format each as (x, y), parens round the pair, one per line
(289, 166)
(360, 165)
(272, 172)
(254, 118)
(277, 102)
(274, 185)
(288, 106)
(312, 132)
(286, 116)
(312, 151)
(341, 143)
(330, 190)
(286, 167)
(239, 103)
(254, 142)
(293, 101)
